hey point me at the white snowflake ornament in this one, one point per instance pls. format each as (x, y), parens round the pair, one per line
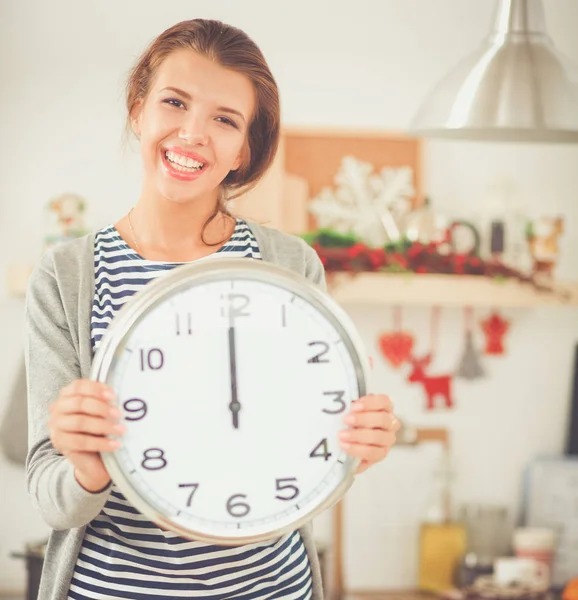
(365, 204)
(393, 187)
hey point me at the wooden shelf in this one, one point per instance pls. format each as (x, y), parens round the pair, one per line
(408, 289)
(444, 290)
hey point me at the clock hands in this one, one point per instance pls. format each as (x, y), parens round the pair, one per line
(234, 405)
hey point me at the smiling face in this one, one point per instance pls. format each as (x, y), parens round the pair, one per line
(193, 127)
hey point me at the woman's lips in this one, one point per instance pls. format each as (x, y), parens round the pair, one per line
(177, 173)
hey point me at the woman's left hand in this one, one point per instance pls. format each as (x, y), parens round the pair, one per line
(372, 429)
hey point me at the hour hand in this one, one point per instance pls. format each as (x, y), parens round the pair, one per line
(234, 405)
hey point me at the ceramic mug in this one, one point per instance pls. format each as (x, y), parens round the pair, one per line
(535, 542)
(513, 569)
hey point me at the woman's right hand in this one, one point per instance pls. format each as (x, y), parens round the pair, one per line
(80, 419)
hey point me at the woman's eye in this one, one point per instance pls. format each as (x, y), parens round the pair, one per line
(174, 102)
(227, 121)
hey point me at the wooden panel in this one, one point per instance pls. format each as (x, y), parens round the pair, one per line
(316, 154)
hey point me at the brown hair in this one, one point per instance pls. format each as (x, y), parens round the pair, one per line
(231, 48)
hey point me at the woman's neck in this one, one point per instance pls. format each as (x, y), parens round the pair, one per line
(171, 231)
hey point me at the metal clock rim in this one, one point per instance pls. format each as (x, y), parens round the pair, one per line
(215, 269)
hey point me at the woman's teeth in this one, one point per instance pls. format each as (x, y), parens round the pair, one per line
(183, 163)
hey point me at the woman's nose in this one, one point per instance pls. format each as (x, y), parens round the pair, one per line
(194, 129)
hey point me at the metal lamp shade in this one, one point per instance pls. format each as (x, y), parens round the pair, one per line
(515, 88)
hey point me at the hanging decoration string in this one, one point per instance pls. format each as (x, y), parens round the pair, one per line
(397, 318)
(469, 315)
(434, 326)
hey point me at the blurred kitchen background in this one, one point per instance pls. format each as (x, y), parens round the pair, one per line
(359, 69)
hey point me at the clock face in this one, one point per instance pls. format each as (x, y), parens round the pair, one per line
(233, 391)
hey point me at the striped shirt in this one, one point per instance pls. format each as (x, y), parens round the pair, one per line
(123, 555)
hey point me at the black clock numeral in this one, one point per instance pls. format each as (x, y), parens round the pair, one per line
(194, 487)
(284, 315)
(154, 459)
(137, 409)
(183, 324)
(281, 485)
(318, 358)
(321, 450)
(234, 305)
(153, 359)
(238, 508)
(340, 401)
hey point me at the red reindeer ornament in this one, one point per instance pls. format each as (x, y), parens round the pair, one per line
(434, 386)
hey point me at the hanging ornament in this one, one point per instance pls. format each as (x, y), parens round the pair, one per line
(495, 328)
(436, 385)
(470, 367)
(396, 346)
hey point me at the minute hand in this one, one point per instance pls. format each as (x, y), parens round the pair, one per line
(234, 405)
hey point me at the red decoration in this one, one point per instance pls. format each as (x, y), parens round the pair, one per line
(438, 385)
(396, 346)
(495, 327)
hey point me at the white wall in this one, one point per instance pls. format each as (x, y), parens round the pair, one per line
(365, 63)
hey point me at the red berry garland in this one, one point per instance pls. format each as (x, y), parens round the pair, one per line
(340, 253)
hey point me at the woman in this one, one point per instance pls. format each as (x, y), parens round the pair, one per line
(205, 108)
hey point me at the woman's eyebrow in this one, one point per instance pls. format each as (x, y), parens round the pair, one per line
(178, 91)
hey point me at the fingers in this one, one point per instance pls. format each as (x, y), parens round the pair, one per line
(369, 454)
(366, 437)
(372, 402)
(89, 388)
(86, 397)
(85, 405)
(372, 429)
(82, 417)
(380, 420)
(89, 425)
(80, 442)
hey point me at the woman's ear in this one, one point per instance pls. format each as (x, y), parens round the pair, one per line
(135, 118)
(237, 163)
(243, 158)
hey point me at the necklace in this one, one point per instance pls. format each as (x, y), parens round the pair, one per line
(132, 232)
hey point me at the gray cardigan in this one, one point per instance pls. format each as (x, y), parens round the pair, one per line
(58, 351)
